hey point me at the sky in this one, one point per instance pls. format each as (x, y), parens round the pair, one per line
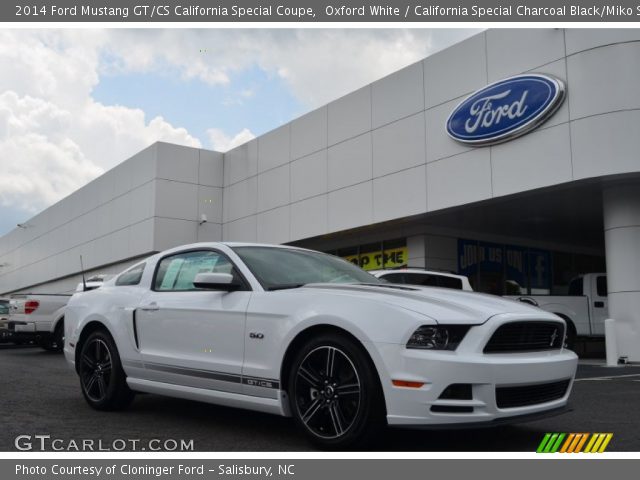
(76, 102)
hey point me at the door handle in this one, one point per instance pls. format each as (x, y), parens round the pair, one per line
(598, 304)
(152, 307)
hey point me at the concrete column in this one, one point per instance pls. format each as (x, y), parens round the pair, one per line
(621, 205)
(416, 249)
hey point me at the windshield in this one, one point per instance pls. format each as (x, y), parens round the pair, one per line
(283, 268)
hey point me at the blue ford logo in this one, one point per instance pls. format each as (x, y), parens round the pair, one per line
(506, 109)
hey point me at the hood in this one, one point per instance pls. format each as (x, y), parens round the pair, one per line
(444, 305)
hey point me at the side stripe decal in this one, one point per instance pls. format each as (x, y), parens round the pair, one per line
(221, 376)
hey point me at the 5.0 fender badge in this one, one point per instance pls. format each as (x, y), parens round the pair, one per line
(506, 109)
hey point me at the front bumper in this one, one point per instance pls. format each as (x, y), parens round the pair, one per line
(481, 374)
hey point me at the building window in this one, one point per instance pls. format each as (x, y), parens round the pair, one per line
(378, 255)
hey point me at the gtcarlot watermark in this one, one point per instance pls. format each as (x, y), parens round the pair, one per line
(43, 443)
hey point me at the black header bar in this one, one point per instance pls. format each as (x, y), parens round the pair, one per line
(316, 11)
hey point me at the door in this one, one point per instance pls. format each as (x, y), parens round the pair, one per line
(599, 303)
(188, 336)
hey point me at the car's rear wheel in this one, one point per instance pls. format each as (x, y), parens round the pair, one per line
(335, 393)
(103, 381)
(56, 342)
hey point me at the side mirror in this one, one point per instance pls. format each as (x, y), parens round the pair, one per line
(216, 281)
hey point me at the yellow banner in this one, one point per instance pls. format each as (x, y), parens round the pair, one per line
(392, 257)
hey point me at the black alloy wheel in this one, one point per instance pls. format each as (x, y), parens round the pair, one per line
(102, 378)
(96, 369)
(335, 393)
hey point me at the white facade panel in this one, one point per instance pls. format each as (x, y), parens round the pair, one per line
(456, 71)
(273, 226)
(400, 194)
(608, 80)
(309, 133)
(559, 70)
(537, 160)
(141, 237)
(349, 116)
(439, 144)
(177, 163)
(309, 176)
(606, 144)
(209, 232)
(209, 204)
(464, 178)
(397, 96)
(350, 162)
(242, 230)
(169, 232)
(309, 217)
(176, 200)
(274, 148)
(140, 205)
(210, 168)
(399, 145)
(240, 199)
(350, 207)
(122, 182)
(513, 51)
(241, 163)
(579, 39)
(143, 166)
(273, 188)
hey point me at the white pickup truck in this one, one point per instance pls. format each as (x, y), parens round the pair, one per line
(584, 308)
(39, 317)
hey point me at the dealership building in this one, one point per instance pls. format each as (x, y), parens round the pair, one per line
(381, 177)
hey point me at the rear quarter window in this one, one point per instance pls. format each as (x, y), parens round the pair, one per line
(131, 276)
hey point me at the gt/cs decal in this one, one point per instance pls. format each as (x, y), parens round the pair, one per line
(259, 383)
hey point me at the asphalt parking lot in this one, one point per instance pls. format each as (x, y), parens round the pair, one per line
(39, 395)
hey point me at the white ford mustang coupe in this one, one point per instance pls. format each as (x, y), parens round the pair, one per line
(300, 333)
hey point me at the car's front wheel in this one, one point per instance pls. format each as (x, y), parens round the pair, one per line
(103, 381)
(335, 393)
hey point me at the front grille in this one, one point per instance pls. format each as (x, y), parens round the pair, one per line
(522, 396)
(526, 337)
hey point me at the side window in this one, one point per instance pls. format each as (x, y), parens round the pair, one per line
(394, 278)
(575, 287)
(601, 286)
(422, 279)
(450, 282)
(131, 276)
(177, 272)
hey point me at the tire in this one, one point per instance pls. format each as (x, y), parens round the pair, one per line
(102, 379)
(56, 342)
(335, 393)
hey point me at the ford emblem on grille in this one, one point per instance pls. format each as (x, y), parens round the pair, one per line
(506, 109)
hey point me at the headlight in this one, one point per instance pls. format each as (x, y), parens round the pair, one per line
(440, 337)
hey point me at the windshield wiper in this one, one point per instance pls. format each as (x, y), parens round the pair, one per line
(286, 286)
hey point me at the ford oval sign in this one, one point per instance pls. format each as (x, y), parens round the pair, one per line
(506, 109)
